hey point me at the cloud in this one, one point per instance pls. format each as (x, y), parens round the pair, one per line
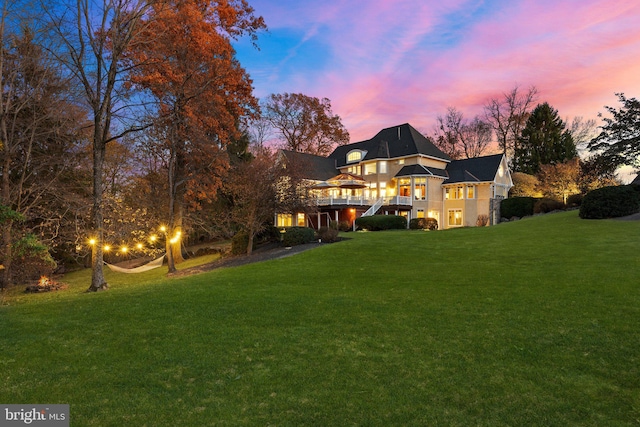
(386, 62)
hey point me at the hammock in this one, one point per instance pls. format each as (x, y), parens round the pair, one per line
(145, 267)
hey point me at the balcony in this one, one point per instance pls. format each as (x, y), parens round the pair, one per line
(344, 201)
(361, 201)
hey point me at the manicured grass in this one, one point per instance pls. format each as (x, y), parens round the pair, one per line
(528, 323)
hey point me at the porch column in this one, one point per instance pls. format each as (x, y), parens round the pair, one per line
(319, 219)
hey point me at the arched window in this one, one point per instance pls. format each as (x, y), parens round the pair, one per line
(354, 156)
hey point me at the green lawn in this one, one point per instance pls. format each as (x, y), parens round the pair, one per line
(530, 323)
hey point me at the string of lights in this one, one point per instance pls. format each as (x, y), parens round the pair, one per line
(126, 248)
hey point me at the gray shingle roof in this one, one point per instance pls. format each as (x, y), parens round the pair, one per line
(390, 143)
(315, 167)
(479, 169)
(421, 170)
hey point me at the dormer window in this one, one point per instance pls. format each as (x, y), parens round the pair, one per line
(355, 156)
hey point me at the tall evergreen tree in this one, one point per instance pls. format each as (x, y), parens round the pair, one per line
(544, 140)
(619, 142)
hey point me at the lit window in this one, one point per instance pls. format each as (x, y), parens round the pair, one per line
(455, 217)
(471, 192)
(284, 220)
(420, 213)
(301, 220)
(382, 168)
(447, 194)
(405, 187)
(369, 168)
(401, 161)
(420, 188)
(459, 193)
(355, 170)
(354, 156)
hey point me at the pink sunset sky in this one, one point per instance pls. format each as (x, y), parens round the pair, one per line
(383, 62)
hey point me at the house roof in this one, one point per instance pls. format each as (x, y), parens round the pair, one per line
(315, 167)
(390, 143)
(478, 169)
(636, 180)
(421, 170)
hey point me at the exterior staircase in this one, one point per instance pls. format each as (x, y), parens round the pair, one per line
(374, 208)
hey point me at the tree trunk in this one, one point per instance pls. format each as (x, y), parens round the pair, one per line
(176, 201)
(5, 274)
(250, 242)
(98, 283)
(174, 239)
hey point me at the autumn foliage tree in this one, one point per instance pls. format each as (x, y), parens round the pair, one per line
(188, 65)
(305, 124)
(560, 180)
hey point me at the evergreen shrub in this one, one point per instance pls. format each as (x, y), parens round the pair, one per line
(423, 224)
(546, 205)
(239, 243)
(610, 202)
(574, 200)
(517, 206)
(270, 234)
(344, 226)
(298, 236)
(382, 222)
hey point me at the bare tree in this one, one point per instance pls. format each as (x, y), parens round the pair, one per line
(446, 133)
(94, 35)
(459, 138)
(254, 200)
(582, 131)
(508, 116)
(475, 137)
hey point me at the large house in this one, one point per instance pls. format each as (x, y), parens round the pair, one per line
(399, 172)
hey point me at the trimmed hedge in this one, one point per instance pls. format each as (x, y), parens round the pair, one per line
(423, 224)
(298, 236)
(610, 202)
(517, 206)
(382, 222)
